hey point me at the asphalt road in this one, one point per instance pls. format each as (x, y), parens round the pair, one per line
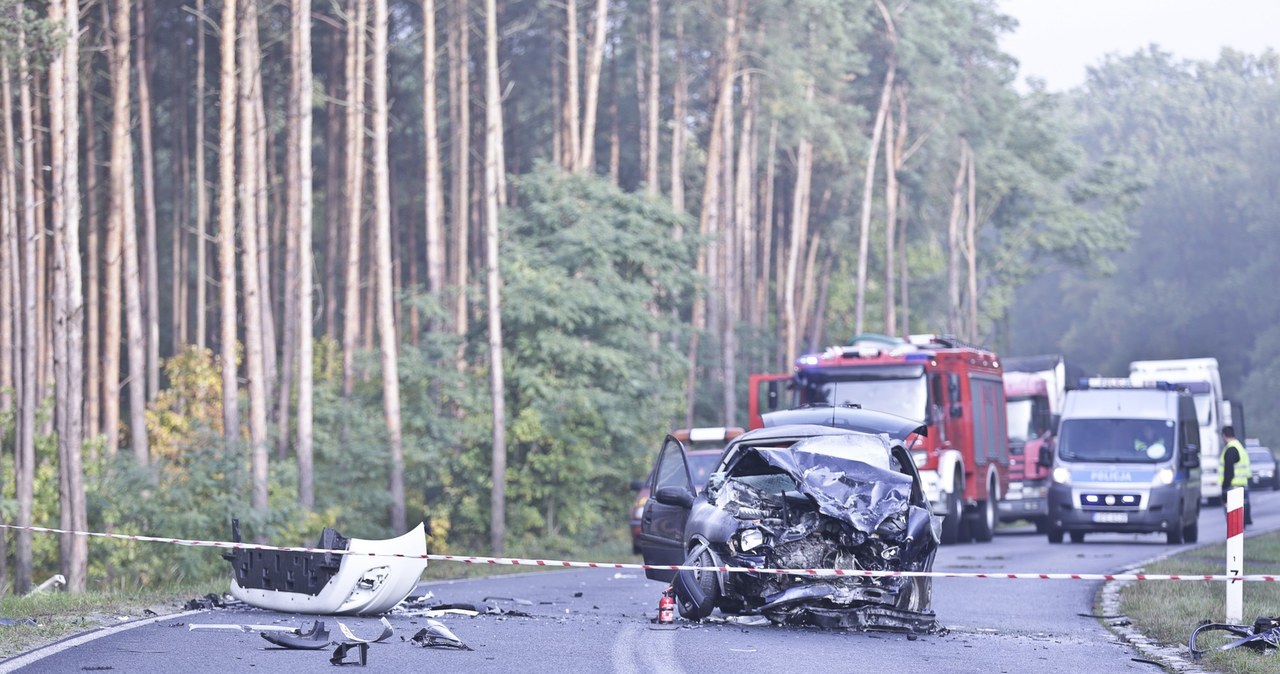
(597, 621)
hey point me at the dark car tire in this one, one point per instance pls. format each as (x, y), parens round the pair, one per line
(707, 582)
(1055, 535)
(952, 522)
(916, 595)
(1077, 537)
(1275, 480)
(1042, 525)
(1191, 532)
(1174, 534)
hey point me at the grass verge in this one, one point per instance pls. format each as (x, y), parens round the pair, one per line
(58, 615)
(1169, 611)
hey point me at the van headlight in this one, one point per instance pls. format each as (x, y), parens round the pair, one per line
(1164, 476)
(1062, 475)
(750, 539)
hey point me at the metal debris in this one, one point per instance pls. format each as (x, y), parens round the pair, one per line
(54, 582)
(241, 628)
(387, 631)
(436, 635)
(514, 600)
(1263, 636)
(208, 601)
(312, 639)
(340, 654)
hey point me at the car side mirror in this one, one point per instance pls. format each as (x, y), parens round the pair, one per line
(674, 496)
(1191, 457)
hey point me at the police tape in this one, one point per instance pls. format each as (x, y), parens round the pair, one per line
(558, 563)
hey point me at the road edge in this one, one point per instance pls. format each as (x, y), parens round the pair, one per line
(37, 654)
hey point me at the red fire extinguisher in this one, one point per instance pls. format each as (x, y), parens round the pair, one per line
(666, 607)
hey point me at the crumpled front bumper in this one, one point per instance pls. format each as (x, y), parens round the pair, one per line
(322, 583)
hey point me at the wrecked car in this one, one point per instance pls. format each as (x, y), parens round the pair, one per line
(324, 583)
(817, 488)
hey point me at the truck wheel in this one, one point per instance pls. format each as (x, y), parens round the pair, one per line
(1077, 537)
(1174, 534)
(1055, 535)
(955, 514)
(984, 523)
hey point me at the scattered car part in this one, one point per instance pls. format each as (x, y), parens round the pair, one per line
(8, 622)
(208, 601)
(436, 635)
(324, 583)
(340, 654)
(1264, 635)
(231, 627)
(54, 582)
(513, 600)
(387, 631)
(313, 638)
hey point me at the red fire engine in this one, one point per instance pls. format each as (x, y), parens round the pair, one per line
(956, 389)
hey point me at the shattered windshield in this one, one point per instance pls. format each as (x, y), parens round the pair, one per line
(1116, 440)
(904, 396)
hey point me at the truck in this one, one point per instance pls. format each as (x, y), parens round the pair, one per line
(1200, 377)
(1034, 388)
(1127, 459)
(955, 389)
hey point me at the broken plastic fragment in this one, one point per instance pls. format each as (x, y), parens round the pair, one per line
(436, 635)
(313, 638)
(241, 628)
(514, 600)
(340, 654)
(387, 631)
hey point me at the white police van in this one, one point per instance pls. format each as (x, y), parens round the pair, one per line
(1127, 459)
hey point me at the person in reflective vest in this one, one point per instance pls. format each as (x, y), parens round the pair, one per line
(1235, 469)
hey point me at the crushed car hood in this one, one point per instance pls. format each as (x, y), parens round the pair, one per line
(844, 488)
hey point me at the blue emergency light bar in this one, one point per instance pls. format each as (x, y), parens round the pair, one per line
(1123, 383)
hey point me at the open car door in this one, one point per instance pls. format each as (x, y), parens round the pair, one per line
(671, 495)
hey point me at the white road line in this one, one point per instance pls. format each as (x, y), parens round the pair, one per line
(39, 654)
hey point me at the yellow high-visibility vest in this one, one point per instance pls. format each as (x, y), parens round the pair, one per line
(1242, 474)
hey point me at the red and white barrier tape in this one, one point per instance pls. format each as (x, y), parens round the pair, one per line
(512, 561)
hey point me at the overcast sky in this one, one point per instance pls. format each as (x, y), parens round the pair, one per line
(1057, 39)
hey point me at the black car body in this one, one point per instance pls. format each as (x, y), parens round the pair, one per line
(1262, 465)
(817, 488)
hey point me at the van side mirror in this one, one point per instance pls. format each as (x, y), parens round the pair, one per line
(1190, 457)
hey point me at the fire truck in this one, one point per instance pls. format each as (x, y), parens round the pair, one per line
(955, 389)
(1034, 387)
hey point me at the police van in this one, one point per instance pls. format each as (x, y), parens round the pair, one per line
(1127, 459)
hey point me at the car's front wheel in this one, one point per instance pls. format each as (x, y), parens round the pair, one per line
(704, 585)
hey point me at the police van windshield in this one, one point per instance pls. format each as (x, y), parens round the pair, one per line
(1116, 440)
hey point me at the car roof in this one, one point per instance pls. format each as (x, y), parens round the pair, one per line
(847, 418)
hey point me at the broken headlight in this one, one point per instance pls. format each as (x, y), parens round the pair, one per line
(750, 539)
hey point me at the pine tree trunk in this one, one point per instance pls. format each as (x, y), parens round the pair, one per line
(652, 107)
(250, 97)
(615, 140)
(434, 188)
(227, 224)
(493, 151)
(93, 308)
(64, 88)
(570, 119)
(799, 234)
(461, 129)
(679, 98)
(202, 193)
(382, 226)
(355, 189)
(302, 64)
(11, 269)
(25, 460)
(292, 233)
(953, 243)
(868, 192)
(260, 131)
(150, 250)
(595, 63)
(766, 234)
(333, 185)
(894, 157)
(971, 246)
